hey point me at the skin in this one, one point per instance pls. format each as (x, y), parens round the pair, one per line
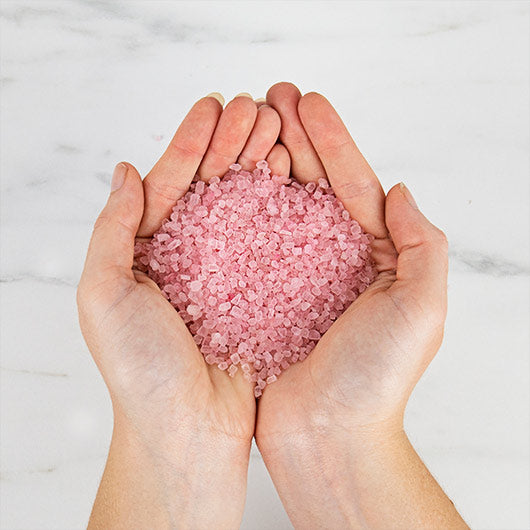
(331, 428)
(182, 429)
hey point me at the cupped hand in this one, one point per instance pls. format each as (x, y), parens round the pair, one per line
(165, 397)
(362, 371)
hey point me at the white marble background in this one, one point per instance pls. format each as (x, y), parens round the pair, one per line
(436, 94)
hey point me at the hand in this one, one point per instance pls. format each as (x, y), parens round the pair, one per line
(324, 416)
(182, 428)
(363, 369)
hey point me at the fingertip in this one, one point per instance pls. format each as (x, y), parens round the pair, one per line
(206, 107)
(130, 169)
(312, 97)
(218, 97)
(394, 188)
(405, 222)
(315, 106)
(240, 113)
(271, 116)
(406, 192)
(399, 192)
(243, 104)
(392, 192)
(395, 197)
(118, 177)
(114, 231)
(281, 91)
(124, 175)
(127, 196)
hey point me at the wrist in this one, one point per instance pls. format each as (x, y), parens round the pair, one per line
(177, 444)
(185, 479)
(201, 473)
(317, 428)
(319, 475)
(312, 441)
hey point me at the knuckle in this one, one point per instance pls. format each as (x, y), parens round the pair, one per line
(293, 136)
(166, 190)
(127, 225)
(331, 148)
(187, 149)
(360, 188)
(121, 224)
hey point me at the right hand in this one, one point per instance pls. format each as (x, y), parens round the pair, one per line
(166, 399)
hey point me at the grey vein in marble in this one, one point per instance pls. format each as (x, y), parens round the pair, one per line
(67, 149)
(486, 264)
(36, 278)
(33, 372)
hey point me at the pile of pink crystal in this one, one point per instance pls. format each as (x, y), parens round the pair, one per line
(259, 267)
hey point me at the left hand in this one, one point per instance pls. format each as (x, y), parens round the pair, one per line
(364, 368)
(331, 428)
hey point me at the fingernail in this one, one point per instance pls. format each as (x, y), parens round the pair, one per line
(260, 100)
(243, 95)
(408, 195)
(118, 177)
(216, 95)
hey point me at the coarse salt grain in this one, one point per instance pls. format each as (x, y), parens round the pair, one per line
(260, 274)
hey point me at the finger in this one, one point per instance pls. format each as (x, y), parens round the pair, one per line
(260, 102)
(171, 176)
(352, 179)
(111, 247)
(230, 136)
(279, 160)
(305, 164)
(262, 138)
(422, 250)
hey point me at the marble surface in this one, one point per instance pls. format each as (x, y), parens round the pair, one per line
(436, 94)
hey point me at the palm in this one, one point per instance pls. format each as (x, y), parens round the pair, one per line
(158, 359)
(358, 364)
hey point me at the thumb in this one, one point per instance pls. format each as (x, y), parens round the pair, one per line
(111, 249)
(422, 251)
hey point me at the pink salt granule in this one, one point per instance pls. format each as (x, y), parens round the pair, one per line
(258, 266)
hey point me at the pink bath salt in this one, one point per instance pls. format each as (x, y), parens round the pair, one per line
(193, 309)
(225, 306)
(258, 266)
(195, 285)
